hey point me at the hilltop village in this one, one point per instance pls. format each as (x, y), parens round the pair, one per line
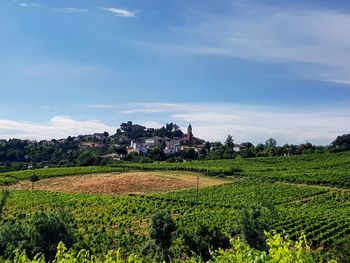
(137, 139)
(136, 143)
(170, 145)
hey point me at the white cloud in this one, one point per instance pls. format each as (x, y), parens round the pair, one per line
(210, 121)
(256, 124)
(317, 39)
(29, 4)
(246, 123)
(57, 127)
(69, 10)
(119, 12)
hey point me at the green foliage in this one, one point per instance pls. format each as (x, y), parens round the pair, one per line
(202, 240)
(64, 255)
(161, 231)
(46, 230)
(13, 177)
(253, 224)
(341, 143)
(40, 235)
(106, 222)
(4, 195)
(157, 154)
(34, 178)
(229, 141)
(271, 143)
(281, 250)
(331, 169)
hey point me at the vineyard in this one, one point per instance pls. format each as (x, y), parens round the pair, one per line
(106, 222)
(331, 169)
(14, 177)
(308, 193)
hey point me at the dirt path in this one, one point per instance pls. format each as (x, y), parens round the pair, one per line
(123, 183)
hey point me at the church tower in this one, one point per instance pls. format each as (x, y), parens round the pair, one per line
(189, 133)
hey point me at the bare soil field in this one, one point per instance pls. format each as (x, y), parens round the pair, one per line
(123, 183)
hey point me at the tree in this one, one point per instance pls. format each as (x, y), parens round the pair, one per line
(341, 143)
(4, 197)
(34, 178)
(253, 223)
(204, 239)
(157, 154)
(271, 142)
(229, 141)
(161, 231)
(41, 234)
(46, 230)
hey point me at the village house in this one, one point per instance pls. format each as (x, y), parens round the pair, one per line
(171, 146)
(138, 147)
(153, 141)
(239, 147)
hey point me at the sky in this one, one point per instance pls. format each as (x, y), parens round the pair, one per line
(252, 69)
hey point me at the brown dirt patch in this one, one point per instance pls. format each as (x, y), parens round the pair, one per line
(122, 183)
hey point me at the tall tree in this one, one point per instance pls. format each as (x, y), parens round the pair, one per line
(162, 230)
(271, 142)
(229, 141)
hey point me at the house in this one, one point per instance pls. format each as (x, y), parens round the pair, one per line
(239, 147)
(153, 141)
(171, 146)
(236, 148)
(139, 147)
(197, 149)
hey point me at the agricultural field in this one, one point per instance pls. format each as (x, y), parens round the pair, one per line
(331, 169)
(14, 177)
(112, 206)
(131, 183)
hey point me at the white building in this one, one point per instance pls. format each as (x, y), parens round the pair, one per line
(153, 141)
(171, 146)
(139, 147)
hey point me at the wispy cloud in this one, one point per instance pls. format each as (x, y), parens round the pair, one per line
(210, 121)
(69, 10)
(57, 127)
(316, 39)
(119, 11)
(31, 4)
(245, 123)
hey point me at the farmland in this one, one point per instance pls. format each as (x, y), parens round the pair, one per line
(14, 177)
(131, 183)
(320, 169)
(309, 194)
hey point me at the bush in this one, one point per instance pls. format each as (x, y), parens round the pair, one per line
(40, 235)
(204, 239)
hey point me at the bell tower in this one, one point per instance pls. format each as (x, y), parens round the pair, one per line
(189, 133)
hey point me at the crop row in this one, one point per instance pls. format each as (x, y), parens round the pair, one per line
(332, 169)
(13, 177)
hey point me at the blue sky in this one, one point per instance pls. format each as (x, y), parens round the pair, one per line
(253, 69)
